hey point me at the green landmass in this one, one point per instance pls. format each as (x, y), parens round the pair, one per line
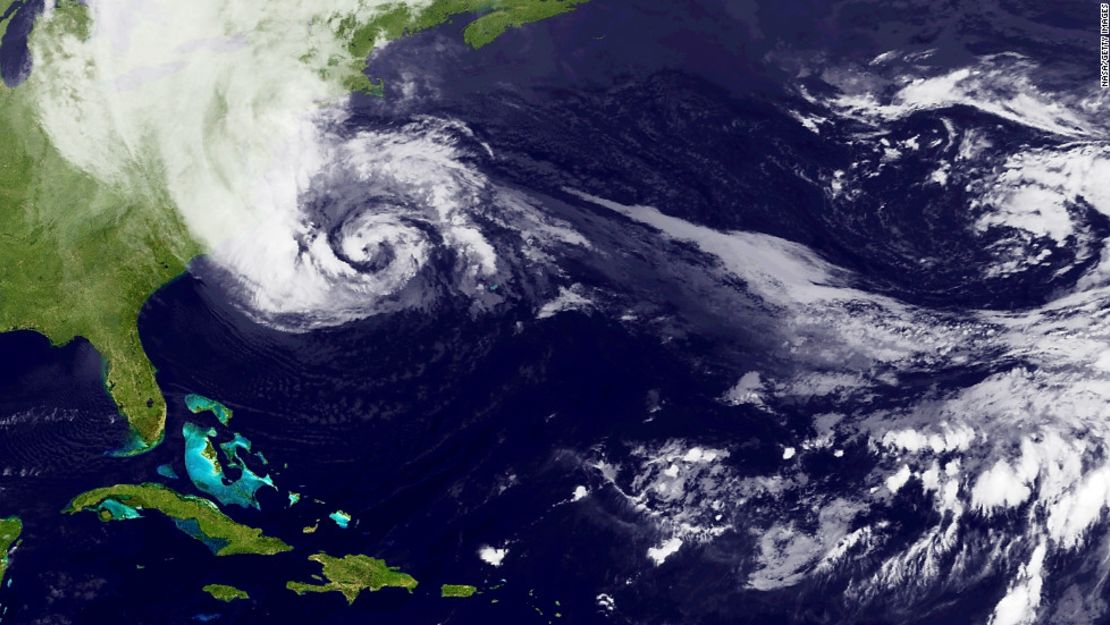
(199, 403)
(196, 516)
(457, 590)
(225, 593)
(352, 574)
(72, 16)
(10, 530)
(5, 5)
(513, 14)
(78, 257)
(491, 18)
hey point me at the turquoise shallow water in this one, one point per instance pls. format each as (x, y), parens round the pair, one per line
(441, 432)
(167, 470)
(208, 474)
(200, 403)
(119, 511)
(341, 518)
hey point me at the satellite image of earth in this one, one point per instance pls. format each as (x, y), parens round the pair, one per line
(625, 312)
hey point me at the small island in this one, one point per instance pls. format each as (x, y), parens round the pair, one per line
(195, 516)
(352, 574)
(225, 593)
(202, 463)
(167, 471)
(461, 591)
(10, 530)
(199, 403)
(341, 518)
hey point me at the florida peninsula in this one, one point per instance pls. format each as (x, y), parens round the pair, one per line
(81, 252)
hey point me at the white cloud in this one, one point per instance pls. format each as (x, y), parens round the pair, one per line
(999, 486)
(1034, 431)
(666, 549)
(1079, 508)
(568, 299)
(493, 556)
(1020, 604)
(224, 112)
(747, 390)
(897, 480)
(1002, 85)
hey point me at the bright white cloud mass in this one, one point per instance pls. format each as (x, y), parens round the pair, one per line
(1028, 440)
(223, 110)
(220, 107)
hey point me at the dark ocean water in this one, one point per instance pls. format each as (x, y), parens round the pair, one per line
(15, 60)
(677, 106)
(441, 431)
(438, 435)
